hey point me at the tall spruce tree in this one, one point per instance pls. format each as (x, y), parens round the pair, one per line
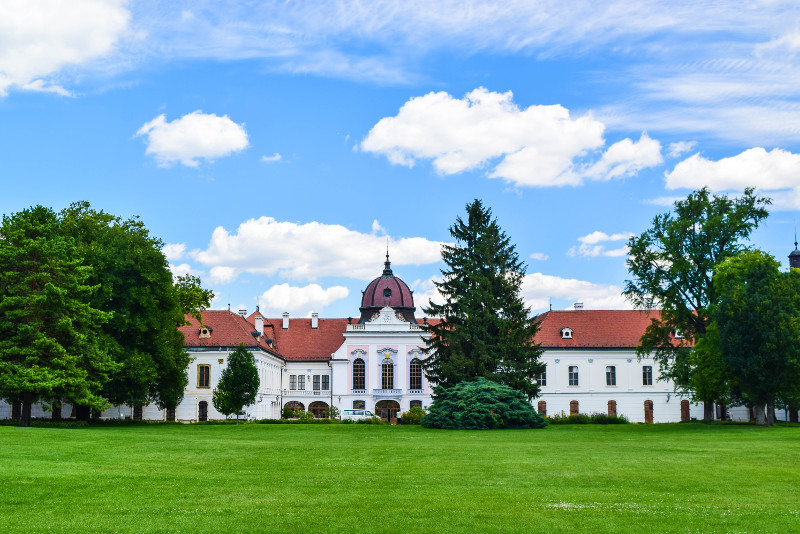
(49, 333)
(486, 330)
(238, 384)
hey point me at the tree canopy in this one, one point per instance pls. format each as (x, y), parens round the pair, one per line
(50, 348)
(481, 405)
(486, 330)
(238, 384)
(671, 266)
(758, 318)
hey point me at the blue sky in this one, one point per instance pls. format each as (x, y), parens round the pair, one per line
(275, 147)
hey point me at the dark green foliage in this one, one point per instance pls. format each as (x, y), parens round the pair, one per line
(481, 405)
(584, 419)
(238, 384)
(758, 318)
(136, 286)
(671, 266)
(413, 416)
(49, 343)
(287, 413)
(486, 330)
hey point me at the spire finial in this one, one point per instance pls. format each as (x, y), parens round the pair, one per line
(387, 265)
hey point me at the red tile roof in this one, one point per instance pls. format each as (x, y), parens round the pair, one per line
(227, 330)
(300, 342)
(594, 328)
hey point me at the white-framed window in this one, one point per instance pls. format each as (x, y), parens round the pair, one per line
(566, 333)
(542, 378)
(359, 374)
(292, 382)
(415, 374)
(326, 382)
(316, 382)
(301, 382)
(573, 375)
(611, 375)
(387, 374)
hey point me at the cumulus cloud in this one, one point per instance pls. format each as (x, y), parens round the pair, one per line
(38, 39)
(309, 251)
(538, 289)
(182, 270)
(194, 136)
(174, 251)
(535, 146)
(539, 256)
(270, 159)
(425, 292)
(626, 158)
(299, 301)
(590, 246)
(680, 148)
(775, 173)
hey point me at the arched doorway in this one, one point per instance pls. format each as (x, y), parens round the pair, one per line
(387, 409)
(319, 409)
(202, 411)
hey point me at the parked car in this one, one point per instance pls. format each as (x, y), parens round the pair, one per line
(357, 414)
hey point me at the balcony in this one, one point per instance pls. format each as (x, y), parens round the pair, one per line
(306, 393)
(416, 392)
(359, 392)
(387, 392)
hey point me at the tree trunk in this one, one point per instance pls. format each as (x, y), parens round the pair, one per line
(27, 401)
(83, 413)
(771, 412)
(708, 411)
(758, 410)
(56, 410)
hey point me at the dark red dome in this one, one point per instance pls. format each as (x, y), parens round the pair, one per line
(387, 290)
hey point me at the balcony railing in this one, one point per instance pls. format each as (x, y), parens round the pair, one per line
(397, 327)
(387, 392)
(416, 392)
(306, 393)
(359, 392)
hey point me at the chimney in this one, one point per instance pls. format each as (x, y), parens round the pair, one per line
(243, 312)
(577, 306)
(314, 320)
(286, 320)
(259, 323)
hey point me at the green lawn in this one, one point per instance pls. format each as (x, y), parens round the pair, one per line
(359, 478)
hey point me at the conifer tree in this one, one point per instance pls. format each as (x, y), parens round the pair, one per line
(486, 330)
(238, 384)
(49, 333)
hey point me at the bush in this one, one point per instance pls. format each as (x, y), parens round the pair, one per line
(371, 421)
(583, 419)
(413, 416)
(481, 405)
(348, 422)
(333, 412)
(287, 413)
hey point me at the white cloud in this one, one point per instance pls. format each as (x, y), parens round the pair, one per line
(193, 136)
(182, 269)
(377, 228)
(425, 292)
(681, 147)
(222, 274)
(538, 289)
(299, 301)
(590, 248)
(39, 39)
(626, 158)
(539, 256)
(310, 251)
(536, 146)
(174, 251)
(274, 157)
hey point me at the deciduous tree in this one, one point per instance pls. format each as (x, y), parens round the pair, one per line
(671, 266)
(486, 329)
(238, 384)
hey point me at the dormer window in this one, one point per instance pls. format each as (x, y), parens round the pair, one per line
(387, 293)
(205, 332)
(678, 334)
(566, 333)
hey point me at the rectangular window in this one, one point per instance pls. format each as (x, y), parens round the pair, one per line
(542, 379)
(611, 375)
(359, 405)
(416, 404)
(647, 375)
(573, 375)
(316, 382)
(293, 382)
(326, 382)
(204, 376)
(301, 382)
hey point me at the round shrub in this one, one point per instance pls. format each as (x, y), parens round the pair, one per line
(413, 416)
(481, 405)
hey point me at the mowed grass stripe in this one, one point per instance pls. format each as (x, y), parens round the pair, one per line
(358, 478)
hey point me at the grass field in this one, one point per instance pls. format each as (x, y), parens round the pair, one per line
(359, 478)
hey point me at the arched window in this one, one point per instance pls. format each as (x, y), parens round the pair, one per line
(415, 374)
(359, 376)
(387, 374)
(319, 409)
